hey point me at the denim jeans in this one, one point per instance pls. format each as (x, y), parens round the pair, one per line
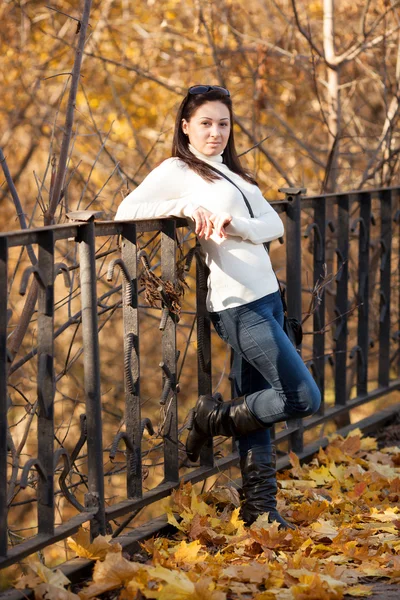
(266, 368)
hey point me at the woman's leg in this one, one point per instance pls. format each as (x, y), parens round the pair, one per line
(255, 333)
(247, 380)
(257, 454)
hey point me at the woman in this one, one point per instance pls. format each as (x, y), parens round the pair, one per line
(270, 380)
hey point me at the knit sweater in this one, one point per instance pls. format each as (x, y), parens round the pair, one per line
(240, 267)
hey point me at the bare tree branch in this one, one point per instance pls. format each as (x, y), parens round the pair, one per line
(69, 120)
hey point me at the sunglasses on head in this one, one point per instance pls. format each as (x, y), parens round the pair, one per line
(204, 89)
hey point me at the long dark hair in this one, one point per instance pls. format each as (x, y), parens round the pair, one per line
(180, 144)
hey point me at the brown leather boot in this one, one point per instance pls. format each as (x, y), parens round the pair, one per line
(259, 489)
(213, 417)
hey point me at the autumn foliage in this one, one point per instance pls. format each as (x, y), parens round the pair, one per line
(344, 504)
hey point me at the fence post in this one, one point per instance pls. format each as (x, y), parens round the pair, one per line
(3, 395)
(204, 377)
(363, 292)
(46, 382)
(385, 198)
(131, 364)
(319, 315)
(170, 430)
(342, 305)
(94, 499)
(293, 279)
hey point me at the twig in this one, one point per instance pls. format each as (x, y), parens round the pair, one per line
(17, 204)
(69, 119)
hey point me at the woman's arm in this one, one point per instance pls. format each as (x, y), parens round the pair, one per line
(161, 194)
(164, 193)
(266, 227)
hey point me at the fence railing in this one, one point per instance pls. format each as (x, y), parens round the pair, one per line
(356, 234)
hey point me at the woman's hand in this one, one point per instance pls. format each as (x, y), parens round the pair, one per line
(220, 221)
(204, 226)
(208, 223)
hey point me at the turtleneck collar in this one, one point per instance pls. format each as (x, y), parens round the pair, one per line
(217, 158)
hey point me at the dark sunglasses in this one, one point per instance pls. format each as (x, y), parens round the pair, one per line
(204, 89)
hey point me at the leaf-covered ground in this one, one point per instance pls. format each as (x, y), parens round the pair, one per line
(345, 504)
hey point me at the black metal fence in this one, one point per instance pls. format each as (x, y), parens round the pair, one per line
(356, 234)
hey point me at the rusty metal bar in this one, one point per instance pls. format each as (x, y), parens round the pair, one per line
(46, 383)
(204, 380)
(293, 280)
(397, 332)
(319, 315)
(363, 292)
(131, 364)
(341, 307)
(385, 285)
(94, 499)
(38, 542)
(170, 429)
(3, 394)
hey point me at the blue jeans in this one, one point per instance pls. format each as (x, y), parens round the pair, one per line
(266, 368)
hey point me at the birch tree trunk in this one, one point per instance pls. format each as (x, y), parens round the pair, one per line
(333, 97)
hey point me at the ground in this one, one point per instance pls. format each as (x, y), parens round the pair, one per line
(388, 436)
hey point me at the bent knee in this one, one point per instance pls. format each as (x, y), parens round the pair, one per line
(314, 401)
(307, 402)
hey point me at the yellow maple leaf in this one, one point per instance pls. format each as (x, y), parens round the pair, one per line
(325, 529)
(44, 591)
(371, 570)
(47, 583)
(42, 574)
(252, 572)
(235, 524)
(338, 472)
(115, 571)
(297, 469)
(95, 550)
(311, 586)
(182, 526)
(368, 443)
(359, 591)
(387, 516)
(187, 553)
(198, 506)
(356, 432)
(180, 587)
(385, 471)
(308, 512)
(297, 484)
(321, 476)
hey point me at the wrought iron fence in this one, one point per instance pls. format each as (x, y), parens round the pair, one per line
(351, 232)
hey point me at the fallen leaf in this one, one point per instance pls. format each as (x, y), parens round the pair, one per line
(253, 572)
(359, 591)
(325, 529)
(95, 550)
(321, 476)
(308, 512)
(115, 571)
(223, 495)
(187, 553)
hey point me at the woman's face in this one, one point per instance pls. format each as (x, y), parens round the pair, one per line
(209, 128)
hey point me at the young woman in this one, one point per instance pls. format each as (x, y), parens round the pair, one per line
(271, 382)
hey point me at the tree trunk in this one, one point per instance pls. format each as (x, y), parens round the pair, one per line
(333, 97)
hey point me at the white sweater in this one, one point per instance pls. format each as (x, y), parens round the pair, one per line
(240, 268)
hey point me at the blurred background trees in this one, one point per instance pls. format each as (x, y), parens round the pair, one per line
(317, 81)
